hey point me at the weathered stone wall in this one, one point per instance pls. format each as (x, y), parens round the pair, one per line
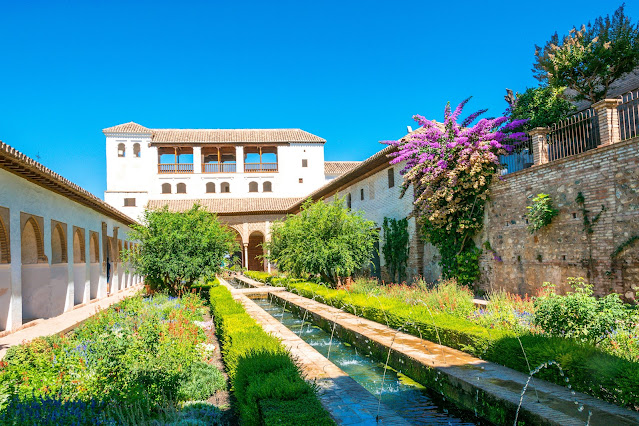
(522, 262)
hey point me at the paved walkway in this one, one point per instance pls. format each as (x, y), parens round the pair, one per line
(557, 403)
(63, 323)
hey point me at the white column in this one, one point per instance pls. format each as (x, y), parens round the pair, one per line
(246, 256)
(197, 159)
(68, 304)
(87, 257)
(239, 159)
(14, 319)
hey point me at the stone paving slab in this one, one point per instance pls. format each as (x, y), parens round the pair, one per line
(65, 322)
(347, 401)
(557, 404)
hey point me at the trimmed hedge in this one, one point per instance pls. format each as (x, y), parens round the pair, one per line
(267, 383)
(589, 369)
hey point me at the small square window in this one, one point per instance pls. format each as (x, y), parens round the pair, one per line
(361, 193)
(304, 163)
(301, 180)
(129, 202)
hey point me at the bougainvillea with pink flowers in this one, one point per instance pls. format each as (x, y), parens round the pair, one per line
(450, 167)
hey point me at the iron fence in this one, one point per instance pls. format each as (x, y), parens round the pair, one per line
(521, 158)
(629, 115)
(574, 135)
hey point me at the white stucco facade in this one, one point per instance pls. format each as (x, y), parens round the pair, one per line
(53, 252)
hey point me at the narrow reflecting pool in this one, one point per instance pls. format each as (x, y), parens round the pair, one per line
(406, 397)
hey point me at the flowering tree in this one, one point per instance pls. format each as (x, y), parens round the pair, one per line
(450, 167)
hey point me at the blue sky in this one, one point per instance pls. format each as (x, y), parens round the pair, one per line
(351, 72)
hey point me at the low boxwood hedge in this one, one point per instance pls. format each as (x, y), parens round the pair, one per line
(267, 383)
(588, 368)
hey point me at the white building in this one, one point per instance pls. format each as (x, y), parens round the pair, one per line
(191, 164)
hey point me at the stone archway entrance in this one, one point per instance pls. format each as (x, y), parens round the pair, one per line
(255, 251)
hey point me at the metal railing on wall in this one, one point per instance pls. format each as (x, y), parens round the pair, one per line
(574, 135)
(628, 112)
(520, 158)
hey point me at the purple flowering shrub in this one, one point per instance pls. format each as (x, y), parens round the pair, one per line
(450, 167)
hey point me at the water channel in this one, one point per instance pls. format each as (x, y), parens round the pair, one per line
(407, 398)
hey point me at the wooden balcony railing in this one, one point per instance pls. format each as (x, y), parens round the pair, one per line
(175, 168)
(218, 168)
(260, 167)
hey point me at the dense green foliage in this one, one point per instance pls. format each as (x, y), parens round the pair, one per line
(138, 356)
(590, 59)
(590, 368)
(176, 249)
(395, 247)
(578, 314)
(325, 239)
(540, 212)
(267, 384)
(541, 106)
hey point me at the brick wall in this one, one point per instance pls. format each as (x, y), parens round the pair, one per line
(522, 262)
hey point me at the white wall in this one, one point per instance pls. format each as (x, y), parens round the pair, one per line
(44, 289)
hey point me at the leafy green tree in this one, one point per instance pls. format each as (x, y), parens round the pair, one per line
(590, 59)
(325, 239)
(542, 106)
(176, 249)
(395, 247)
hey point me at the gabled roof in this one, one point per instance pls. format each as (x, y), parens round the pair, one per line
(339, 167)
(218, 135)
(228, 206)
(129, 127)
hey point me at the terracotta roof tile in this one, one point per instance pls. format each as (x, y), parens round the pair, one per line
(129, 127)
(218, 135)
(226, 206)
(339, 167)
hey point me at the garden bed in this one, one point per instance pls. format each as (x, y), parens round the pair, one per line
(586, 368)
(144, 359)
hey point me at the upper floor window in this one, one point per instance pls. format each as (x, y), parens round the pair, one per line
(129, 202)
(121, 150)
(136, 150)
(210, 187)
(253, 187)
(260, 159)
(361, 193)
(304, 163)
(391, 177)
(225, 187)
(166, 188)
(181, 188)
(267, 187)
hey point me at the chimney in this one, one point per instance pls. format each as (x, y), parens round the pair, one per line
(409, 129)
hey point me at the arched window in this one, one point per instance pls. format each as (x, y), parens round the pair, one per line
(253, 187)
(210, 187)
(58, 245)
(166, 188)
(266, 187)
(224, 187)
(94, 248)
(136, 150)
(5, 256)
(121, 150)
(181, 188)
(79, 253)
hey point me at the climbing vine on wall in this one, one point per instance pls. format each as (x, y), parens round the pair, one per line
(450, 167)
(588, 228)
(395, 247)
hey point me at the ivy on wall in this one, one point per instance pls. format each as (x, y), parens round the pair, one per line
(395, 247)
(540, 213)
